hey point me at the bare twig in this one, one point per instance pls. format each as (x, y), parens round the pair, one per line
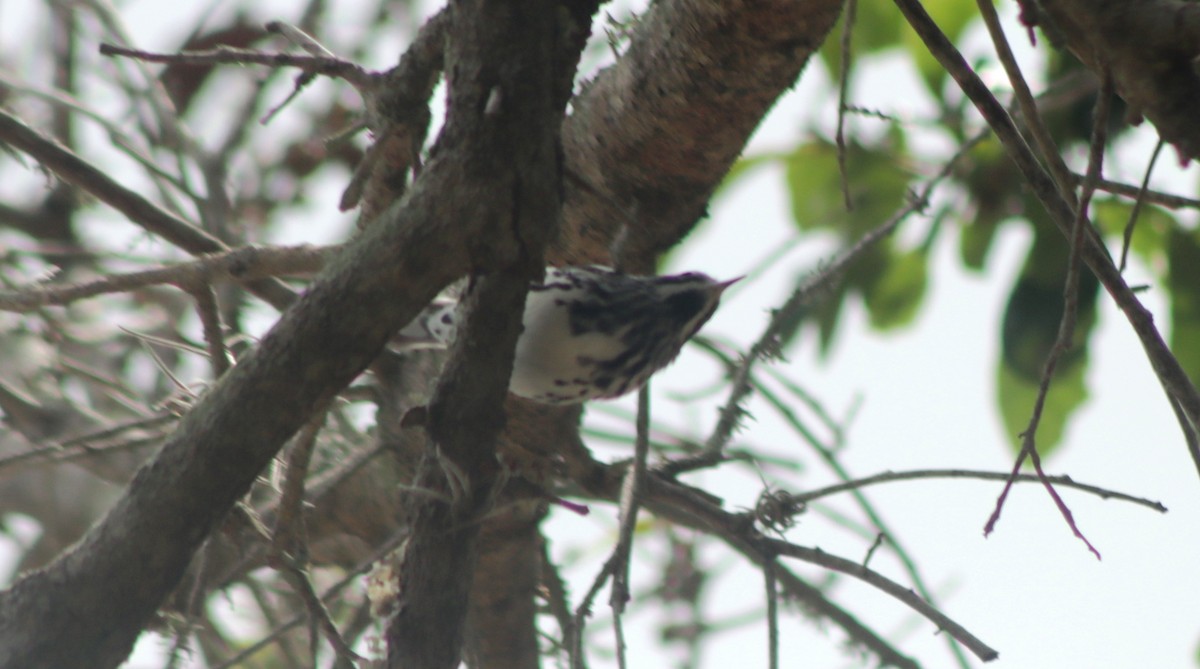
(768, 343)
(329, 66)
(1171, 375)
(1168, 200)
(210, 323)
(290, 538)
(330, 593)
(575, 642)
(772, 614)
(139, 210)
(1026, 102)
(1142, 196)
(905, 595)
(557, 599)
(1066, 329)
(300, 38)
(690, 508)
(918, 474)
(672, 501)
(635, 478)
(299, 580)
(62, 453)
(248, 263)
(848, 16)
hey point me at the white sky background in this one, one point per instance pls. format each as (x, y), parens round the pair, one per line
(1032, 591)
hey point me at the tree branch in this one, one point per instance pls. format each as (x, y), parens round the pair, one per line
(649, 139)
(87, 608)
(512, 77)
(1178, 387)
(74, 170)
(1149, 47)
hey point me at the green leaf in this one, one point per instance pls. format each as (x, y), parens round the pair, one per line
(1183, 279)
(894, 298)
(994, 190)
(878, 187)
(1035, 307)
(1031, 324)
(1150, 231)
(952, 16)
(877, 27)
(1017, 394)
(975, 242)
(826, 311)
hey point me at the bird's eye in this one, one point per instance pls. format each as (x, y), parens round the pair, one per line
(685, 305)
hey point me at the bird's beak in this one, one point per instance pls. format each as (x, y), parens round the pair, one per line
(725, 284)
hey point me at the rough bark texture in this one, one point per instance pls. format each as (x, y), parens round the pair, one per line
(650, 139)
(1150, 49)
(508, 78)
(103, 592)
(647, 143)
(501, 629)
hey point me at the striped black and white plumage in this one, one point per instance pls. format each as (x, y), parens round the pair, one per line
(592, 332)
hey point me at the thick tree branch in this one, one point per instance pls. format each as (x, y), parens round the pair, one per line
(1150, 49)
(87, 608)
(511, 73)
(689, 137)
(1178, 387)
(502, 630)
(650, 138)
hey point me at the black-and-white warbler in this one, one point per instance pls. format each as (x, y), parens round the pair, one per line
(592, 332)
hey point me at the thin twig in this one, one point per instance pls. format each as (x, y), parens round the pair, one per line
(120, 139)
(687, 507)
(631, 490)
(557, 599)
(167, 130)
(903, 594)
(1066, 328)
(299, 580)
(848, 16)
(60, 453)
(300, 38)
(73, 169)
(1026, 102)
(772, 614)
(1175, 381)
(329, 66)
(290, 538)
(270, 608)
(240, 264)
(635, 478)
(768, 343)
(329, 593)
(1151, 196)
(1127, 236)
(619, 637)
(210, 323)
(670, 500)
(920, 474)
(829, 456)
(584, 610)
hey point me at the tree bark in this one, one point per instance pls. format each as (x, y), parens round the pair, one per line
(647, 143)
(1149, 48)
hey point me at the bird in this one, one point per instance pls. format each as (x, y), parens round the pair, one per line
(591, 332)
